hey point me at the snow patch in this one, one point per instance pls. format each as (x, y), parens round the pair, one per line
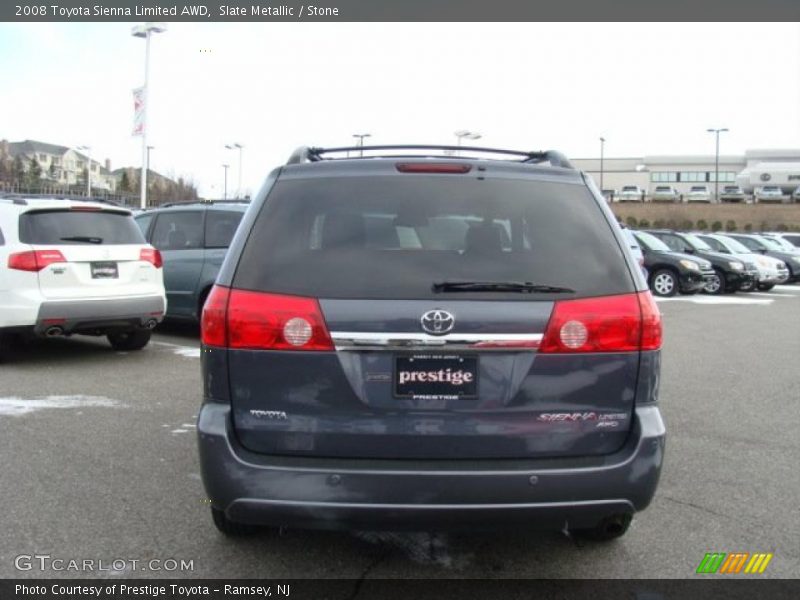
(15, 406)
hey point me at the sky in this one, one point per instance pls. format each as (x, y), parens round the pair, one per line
(647, 88)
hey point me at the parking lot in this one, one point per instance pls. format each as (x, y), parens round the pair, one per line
(99, 462)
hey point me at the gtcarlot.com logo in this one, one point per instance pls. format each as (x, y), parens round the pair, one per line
(734, 563)
(46, 562)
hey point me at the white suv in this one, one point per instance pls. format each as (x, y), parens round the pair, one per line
(82, 267)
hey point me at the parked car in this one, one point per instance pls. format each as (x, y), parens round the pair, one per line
(788, 241)
(396, 342)
(193, 238)
(770, 193)
(796, 194)
(699, 193)
(729, 274)
(665, 193)
(732, 193)
(672, 272)
(630, 193)
(771, 271)
(763, 245)
(69, 267)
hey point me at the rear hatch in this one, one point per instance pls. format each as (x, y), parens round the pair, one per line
(365, 319)
(89, 252)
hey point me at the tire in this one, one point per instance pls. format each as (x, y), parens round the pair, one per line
(135, 339)
(5, 343)
(716, 286)
(765, 287)
(664, 283)
(610, 528)
(228, 527)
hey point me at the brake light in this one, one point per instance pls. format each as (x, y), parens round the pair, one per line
(260, 321)
(152, 256)
(34, 260)
(453, 168)
(624, 323)
(85, 209)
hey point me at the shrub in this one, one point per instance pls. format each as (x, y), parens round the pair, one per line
(672, 224)
(702, 225)
(716, 226)
(781, 227)
(749, 227)
(644, 223)
(631, 221)
(658, 224)
(687, 224)
(730, 225)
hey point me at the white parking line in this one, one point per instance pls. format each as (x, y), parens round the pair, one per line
(185, 351)
(715, 300)
(15, 406)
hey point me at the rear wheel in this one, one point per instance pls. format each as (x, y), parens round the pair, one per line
(135, 339)
(664, 283)
(716, 284)
(608, 529)
(765, 287)
(5, 343)
(228, 527)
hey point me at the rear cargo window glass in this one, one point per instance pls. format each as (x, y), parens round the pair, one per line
(59, 227)
(180, 230)
(395, 236)
(220, 227)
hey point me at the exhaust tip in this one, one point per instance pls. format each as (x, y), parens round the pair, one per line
(151, 324)
(54, 331)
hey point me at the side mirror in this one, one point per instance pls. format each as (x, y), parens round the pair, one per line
(688, 250)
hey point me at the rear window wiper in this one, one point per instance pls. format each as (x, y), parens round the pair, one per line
(499, 286)
(82, 238)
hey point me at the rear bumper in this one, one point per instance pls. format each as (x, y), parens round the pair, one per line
(78, 316)
(420, 495)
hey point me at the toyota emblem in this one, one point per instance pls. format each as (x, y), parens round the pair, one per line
(438, 322)
(766, 177)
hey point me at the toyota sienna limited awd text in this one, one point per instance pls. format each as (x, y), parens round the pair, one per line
(428, 342)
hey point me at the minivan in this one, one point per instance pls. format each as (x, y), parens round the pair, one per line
(420, 341)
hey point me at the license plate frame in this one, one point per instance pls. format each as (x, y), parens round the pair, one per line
(442, 365)
(104, 269)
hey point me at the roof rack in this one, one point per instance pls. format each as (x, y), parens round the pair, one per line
(306, 154)
(203, 201)
(23, 199)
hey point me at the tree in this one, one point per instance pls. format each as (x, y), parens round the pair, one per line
(702, 225)
(53, 172)
(18, 171)
(716, 226)
(34, 174)
(631, 221)
(125, 182)
(730, 225)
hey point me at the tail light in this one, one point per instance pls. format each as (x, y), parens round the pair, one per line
(152, 256)
(259, 321)
(34, 260)
(624, 323)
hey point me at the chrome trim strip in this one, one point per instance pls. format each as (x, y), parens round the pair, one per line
(357, 340)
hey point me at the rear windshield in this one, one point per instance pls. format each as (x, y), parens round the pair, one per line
(661, 188)
(59, 227)
(394, 237)
(630, 188)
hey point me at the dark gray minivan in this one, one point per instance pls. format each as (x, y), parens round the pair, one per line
(416, 340)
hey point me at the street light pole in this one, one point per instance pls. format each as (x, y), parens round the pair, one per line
(225, 185)
(470, 135)
(716, 162)
(88, 150)
(602, 149)
(148, 157)
(145, 31)
(361, 137)
(234, 146)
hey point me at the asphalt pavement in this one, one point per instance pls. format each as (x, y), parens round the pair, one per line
(99, 463)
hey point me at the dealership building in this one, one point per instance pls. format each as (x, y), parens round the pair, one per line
(752, 169)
